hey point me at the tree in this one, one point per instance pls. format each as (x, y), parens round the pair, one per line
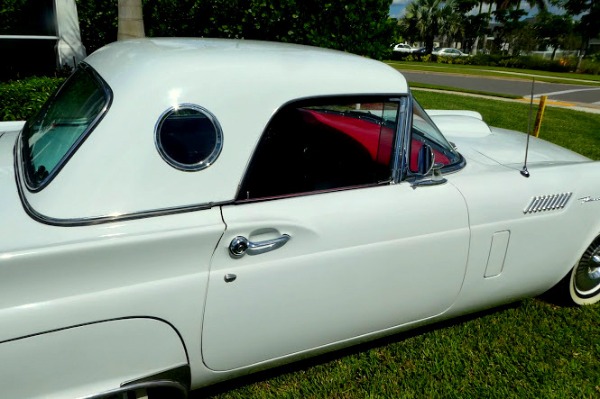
(427, 19)
(588, 24)
(516, 4)
(423, 17)
(511, 27)
(97, 22)
(553, 30)
(131, 21)
(474, 27)
(450, 22)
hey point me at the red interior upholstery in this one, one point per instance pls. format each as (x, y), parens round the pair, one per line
(368, 135)
(376, 139)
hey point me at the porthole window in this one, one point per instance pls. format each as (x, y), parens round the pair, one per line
(188, 137)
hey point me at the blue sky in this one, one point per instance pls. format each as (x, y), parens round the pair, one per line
(397, 7)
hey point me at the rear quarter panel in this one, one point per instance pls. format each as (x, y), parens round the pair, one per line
(86, 360)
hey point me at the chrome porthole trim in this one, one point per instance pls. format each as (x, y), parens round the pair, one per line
(202, 164)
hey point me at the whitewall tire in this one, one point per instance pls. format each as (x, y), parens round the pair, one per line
(584, 280)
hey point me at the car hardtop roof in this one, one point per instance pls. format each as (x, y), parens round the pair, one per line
(212, 59)
(239, 84)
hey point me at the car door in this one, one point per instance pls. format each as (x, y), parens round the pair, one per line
(322, 247)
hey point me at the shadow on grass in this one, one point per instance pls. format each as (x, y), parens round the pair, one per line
(304, 364)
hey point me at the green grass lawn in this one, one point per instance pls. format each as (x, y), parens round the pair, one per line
(576, 130)
(461, 90)
(530, 349)
(503, 72)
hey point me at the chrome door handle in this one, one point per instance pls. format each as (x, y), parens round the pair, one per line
(240, 245)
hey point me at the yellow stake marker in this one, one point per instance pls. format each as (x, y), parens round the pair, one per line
(540, 115)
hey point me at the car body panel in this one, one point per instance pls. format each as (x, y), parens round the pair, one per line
(66, 365)
(502, 146)
(112, 188)
(543, 245)
(329, 275)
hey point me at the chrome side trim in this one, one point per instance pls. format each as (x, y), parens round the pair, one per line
(180, 374)
(173, 387)
(544, 203)
(93, 220)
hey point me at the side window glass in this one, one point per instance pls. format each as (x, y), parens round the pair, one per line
(188, 137)
(317, 146)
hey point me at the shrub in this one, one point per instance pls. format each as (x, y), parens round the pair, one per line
(20, 99)
(589, 66)
(452, 60)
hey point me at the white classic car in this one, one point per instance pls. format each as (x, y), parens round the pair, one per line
(184, 211)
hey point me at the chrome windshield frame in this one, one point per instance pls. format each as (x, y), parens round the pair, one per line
(402, 139)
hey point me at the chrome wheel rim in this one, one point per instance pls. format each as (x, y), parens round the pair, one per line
(587, 275)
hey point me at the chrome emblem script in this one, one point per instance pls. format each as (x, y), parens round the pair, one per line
(588, 199)
(547, 203)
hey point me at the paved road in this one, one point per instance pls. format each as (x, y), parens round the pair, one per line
(571, 93)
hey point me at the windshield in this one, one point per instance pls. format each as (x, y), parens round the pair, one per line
(424, 131)
(51, 136)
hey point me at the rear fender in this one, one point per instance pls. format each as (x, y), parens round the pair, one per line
(89, 360)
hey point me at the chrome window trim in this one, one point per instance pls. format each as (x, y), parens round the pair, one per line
(203, 164)
(63, 161)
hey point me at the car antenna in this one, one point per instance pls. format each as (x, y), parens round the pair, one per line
(524, 171)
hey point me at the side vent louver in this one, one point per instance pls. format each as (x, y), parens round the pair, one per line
(547, 203)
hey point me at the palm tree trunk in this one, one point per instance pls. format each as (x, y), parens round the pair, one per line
(131, 20)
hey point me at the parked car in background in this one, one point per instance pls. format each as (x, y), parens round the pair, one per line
(402, 48)
(185, 211)
(448, 52)
(419, 51)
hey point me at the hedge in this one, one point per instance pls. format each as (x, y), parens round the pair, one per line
(20, 99)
